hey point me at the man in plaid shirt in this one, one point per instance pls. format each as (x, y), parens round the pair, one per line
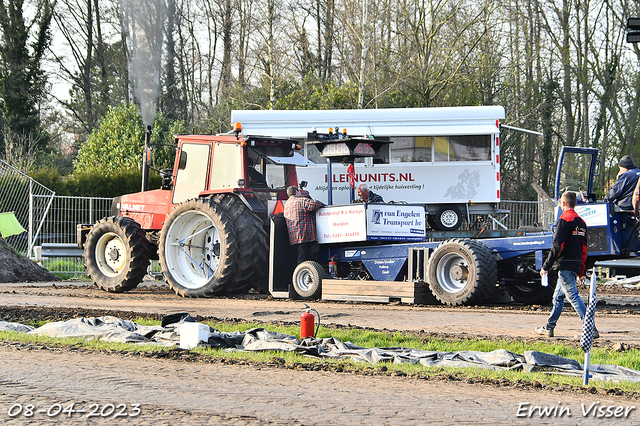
(299, 212)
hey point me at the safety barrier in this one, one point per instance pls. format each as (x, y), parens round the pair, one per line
(29, 200)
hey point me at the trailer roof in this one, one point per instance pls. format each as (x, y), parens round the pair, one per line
(467, 120)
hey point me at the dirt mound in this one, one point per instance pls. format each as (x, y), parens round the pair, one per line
(18, 269)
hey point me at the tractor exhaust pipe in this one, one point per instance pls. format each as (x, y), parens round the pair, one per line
(146, 159)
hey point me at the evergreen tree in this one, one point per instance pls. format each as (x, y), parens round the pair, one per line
(22, 80)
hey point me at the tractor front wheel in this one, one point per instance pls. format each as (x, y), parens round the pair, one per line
(116, 254)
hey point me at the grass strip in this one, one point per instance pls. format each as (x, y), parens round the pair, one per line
(381, 339)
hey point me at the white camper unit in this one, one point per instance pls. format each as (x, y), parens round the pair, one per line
(445, 158)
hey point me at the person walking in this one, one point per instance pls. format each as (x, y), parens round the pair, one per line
(568, 256)
(299, 213)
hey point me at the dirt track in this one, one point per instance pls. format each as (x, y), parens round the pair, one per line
(172, 392)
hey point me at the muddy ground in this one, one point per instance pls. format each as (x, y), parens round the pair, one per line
(181, 387)
(617, 314)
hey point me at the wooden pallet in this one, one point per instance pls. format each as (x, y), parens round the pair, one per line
(376, 291)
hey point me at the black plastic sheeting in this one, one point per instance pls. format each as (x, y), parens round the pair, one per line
(258, 339)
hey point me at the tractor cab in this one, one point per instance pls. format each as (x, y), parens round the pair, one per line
(612, 232)
(256, 169)
(576, 169)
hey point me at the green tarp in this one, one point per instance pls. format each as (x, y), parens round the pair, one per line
(9, 225)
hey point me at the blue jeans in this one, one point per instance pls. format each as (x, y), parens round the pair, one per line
(566, 287)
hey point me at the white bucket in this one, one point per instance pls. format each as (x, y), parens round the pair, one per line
(192, 333)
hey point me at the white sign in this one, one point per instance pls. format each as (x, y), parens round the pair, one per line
(432, 183)
(395, 222)
(355, 222)
(335, 224)
(593, 214)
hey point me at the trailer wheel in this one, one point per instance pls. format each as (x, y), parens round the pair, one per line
(462, 272)
(307, 279)
(531, 292)
(447, 218)
(116, 254)
(198, 247)
(253, 246)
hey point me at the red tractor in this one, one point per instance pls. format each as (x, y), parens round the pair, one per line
(207, 224)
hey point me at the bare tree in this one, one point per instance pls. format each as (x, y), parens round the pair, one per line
(441, 38)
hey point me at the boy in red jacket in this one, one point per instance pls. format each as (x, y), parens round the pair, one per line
(568, 255)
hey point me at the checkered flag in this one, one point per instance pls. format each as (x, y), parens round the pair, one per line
(589, 320)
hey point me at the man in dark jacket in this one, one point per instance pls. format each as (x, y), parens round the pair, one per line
(622, 190)
(366, 195)
(568, 256)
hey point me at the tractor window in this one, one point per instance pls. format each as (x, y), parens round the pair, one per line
(576, 172)
(275, 176)
(191, 179)
(227, 166)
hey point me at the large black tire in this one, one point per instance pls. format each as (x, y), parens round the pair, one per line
(307, 280)
(531, 292)
(447, 218)
(198, 249)
(462, 272)
(116, 254)
(253, 247)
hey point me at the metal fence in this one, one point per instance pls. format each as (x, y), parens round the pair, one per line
(521, 214)
(60, 228)
(66, 212)
(28, 200)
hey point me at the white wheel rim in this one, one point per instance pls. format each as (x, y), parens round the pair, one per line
(192, 249)
(110, 254)
(452, 272)
(449, 218)
(304, 280)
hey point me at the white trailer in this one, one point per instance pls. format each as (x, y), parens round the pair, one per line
(445, 158)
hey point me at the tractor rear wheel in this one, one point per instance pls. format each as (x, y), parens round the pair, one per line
(462, 272)
(253, 246)
(307, 279)
(198, 249)
(116, 254)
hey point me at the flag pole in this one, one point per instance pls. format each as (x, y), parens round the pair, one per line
(587, 354)
(587, 360)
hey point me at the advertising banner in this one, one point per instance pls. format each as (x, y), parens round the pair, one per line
(433, 183)
(593, 214)
(390, 222)
(335, 224)
(396, 222)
